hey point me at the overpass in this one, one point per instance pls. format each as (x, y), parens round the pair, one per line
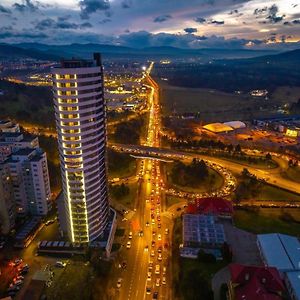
(271, 176)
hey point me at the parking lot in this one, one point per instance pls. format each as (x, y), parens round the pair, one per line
(243, 245)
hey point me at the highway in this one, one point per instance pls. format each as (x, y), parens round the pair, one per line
(147, 246)
(271, 176)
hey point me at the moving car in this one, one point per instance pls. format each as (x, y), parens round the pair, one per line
(157, 269)
(60, 264)
(128, 246)
(119, 283)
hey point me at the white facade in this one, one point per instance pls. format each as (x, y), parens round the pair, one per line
(13, 141)
(31, 186)
(7, 203)
(80, 120)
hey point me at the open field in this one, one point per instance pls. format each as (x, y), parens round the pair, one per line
(286, 93)
(269, 220)
(205, 185)
(129, 199)
(67, 286)
(292, 173)
(213, 105)
(272, 193)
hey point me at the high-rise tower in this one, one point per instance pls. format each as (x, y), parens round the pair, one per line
(81, 127)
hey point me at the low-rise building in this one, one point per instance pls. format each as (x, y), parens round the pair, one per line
(283, 252)
(202, 232)
(292, 282)
(252, 282)
(212, 205)
(280, 251)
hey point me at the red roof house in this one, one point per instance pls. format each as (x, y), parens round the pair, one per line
(252, 282)
(213, 205)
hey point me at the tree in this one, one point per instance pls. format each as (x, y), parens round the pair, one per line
(195, 286)
(206, 257)
(268, 156)
(238, 148)
(226, 252)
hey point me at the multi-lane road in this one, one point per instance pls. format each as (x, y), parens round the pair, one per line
(145, 257)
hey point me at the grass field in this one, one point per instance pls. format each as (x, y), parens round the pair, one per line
(204, 186)
(128, 171)
(269, 192)
(129, 199)
(219, 106)
(286, 93)
(172, 200)
(66, 286)
(268, 221)
(293, 173)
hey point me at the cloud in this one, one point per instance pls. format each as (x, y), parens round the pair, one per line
(296, 22)
(85, 25)
(200, 20)
(190, 30)
(260, 11)
(27, 5)
(48, 23)
(162, 18)
(104, 21)
(64, 18)
(4, 10)
(207, 21)
(126, 3)
(217, 22)
(88, 7)
(8, 33)
(270, 14)
(273, 17)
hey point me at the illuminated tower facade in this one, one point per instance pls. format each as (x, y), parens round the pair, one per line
(81, 127)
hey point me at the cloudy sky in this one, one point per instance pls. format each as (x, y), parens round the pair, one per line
(141, 23)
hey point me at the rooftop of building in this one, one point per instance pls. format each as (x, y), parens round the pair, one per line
(294, 280)
(280, 250)
(253, 282)
(31, 154)
(81, 63)
(211, 205)
(202, 229)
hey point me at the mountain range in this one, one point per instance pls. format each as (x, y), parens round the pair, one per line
(56, 52)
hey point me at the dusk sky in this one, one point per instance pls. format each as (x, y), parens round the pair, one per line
(142, 23)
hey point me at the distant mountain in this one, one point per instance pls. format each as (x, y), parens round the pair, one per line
(115, 51)
(13, 52)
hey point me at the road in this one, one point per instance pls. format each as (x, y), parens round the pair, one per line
(147, 252)
(272, 176)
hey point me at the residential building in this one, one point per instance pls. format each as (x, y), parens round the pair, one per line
(7, 203)
(9, 126)
(13, 141)
(81, 126)
(30, 178)
(252, 282)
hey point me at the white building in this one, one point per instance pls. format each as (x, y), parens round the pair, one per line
(30, 178)
(9, 126)
(7, 203)
(13, 141)
(80, 120)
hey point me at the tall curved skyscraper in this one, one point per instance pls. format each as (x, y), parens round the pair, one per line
(81, 126)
